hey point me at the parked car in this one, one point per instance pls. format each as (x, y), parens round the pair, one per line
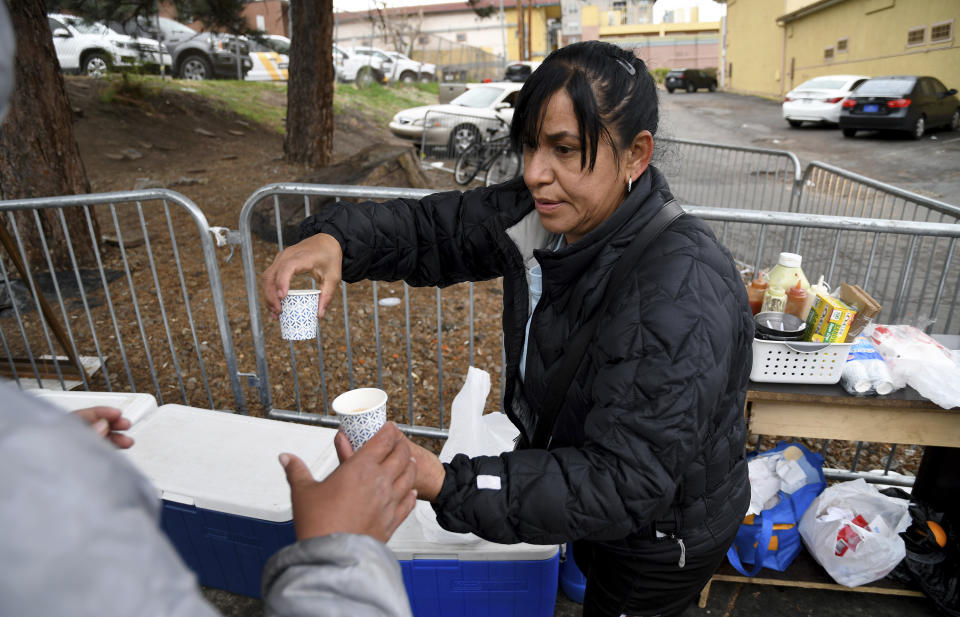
(196, 55)
(408, 70)
(373, 55)
(92, 48)
(457, 124)
(519, 71)
(819, 99)
(269, 57)
(906, 103)
(690, 80)
(361, 70)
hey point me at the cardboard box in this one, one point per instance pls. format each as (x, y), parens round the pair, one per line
(829, 320)
(867, 308)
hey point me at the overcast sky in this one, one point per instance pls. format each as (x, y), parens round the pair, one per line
(709, 10)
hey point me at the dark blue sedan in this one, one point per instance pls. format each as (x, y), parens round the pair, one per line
(905, 103)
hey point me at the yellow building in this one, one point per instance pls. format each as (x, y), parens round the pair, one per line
(774, 45)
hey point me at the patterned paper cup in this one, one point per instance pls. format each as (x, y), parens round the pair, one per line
(362, 413)
(298, 314)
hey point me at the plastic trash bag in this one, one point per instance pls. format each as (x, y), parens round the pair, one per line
(919, 361)
(473, 434)
(852, 530)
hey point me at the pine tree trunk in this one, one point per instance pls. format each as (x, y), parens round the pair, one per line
(39, 156)
(309, 137)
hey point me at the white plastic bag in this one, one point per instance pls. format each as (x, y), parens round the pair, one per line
(878, 549)
(916, 359)
(473, 434)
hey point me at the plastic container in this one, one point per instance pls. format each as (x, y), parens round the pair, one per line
(477, 578)
(787, 273)
(779, 327)
(226, 502)
(774, 301)
(796, 302)
(572, 581)
(755, 291)
(798, 362)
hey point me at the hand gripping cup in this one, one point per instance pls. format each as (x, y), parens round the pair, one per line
(362, 413)
(298, 314)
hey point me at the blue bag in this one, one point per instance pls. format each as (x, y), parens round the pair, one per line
(771, 539)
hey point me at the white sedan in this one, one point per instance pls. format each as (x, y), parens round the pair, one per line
(483, 111)
(820, 99)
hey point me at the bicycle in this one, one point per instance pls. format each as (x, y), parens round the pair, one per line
(495, 156)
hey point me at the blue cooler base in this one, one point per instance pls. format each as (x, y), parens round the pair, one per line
(225, 551)
(572, 581)
(449, 588)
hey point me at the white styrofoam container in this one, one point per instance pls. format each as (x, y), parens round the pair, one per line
(798, 361)
(224, 462)
(134, 406)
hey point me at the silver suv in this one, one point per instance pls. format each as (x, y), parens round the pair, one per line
(93, 49)
(196, 55)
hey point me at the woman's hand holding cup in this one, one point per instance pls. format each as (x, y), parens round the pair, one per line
(320, 255)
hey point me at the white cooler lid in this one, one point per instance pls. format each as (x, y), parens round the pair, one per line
(225, 462)
(134, 406)
(409, 543)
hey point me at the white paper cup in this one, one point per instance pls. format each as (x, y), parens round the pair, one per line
(362, 413)
(298, 314)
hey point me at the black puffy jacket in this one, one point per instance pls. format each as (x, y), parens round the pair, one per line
(651, 435)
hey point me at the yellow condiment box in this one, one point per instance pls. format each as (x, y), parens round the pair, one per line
(829, 320)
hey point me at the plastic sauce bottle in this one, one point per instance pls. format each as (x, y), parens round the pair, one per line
(774, 300)
(820, 287)
(755, 291)
(787, 272)
(797, 301)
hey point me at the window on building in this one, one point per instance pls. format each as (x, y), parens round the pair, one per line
(941, 32)
(842, 46)
(916, 36)
(828, 53)
(461, 37)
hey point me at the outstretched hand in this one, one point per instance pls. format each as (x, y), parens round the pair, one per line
(320, 255)
(430, 471)
(370, 493)
(105, 421)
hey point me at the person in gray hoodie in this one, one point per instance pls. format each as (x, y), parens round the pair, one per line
(79, 526)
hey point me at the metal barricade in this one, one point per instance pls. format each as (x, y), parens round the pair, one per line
(716, 175)
(445, 135)
(81, 311)
(363, 340)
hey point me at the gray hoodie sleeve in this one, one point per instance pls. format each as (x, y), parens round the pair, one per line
(341, 575)
(79, 526)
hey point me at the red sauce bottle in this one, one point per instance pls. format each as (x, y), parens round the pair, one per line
(796, 301)
(755, 291)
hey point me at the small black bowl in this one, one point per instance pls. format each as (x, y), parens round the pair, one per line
(779, 327)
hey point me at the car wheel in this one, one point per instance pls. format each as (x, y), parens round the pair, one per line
(95, 64)
(196, 67)
(408, 77)
(426, 78)
(918, 128)
(670, 90)
(365, 77)
(794, 123)
(691, 88)
(712, 87)
(849, 132)
(461, 137)
(955, 121)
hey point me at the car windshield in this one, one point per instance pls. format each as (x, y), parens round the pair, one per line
(87, 27)
(675, 74)
(478, 97)
(823, 83)
(886, 87)
(278, 45)
(169, 26)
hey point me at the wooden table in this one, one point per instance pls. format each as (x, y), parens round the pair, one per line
(828, 412)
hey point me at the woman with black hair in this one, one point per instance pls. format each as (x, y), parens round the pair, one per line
(626, 330)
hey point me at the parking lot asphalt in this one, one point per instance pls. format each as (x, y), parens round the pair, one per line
(929, 166)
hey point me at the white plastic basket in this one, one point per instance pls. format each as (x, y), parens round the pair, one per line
(798, 362)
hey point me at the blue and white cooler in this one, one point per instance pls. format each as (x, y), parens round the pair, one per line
(226, 502)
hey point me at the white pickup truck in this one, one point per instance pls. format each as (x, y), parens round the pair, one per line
(361, 70)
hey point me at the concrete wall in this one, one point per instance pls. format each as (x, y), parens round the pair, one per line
(768, 58)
